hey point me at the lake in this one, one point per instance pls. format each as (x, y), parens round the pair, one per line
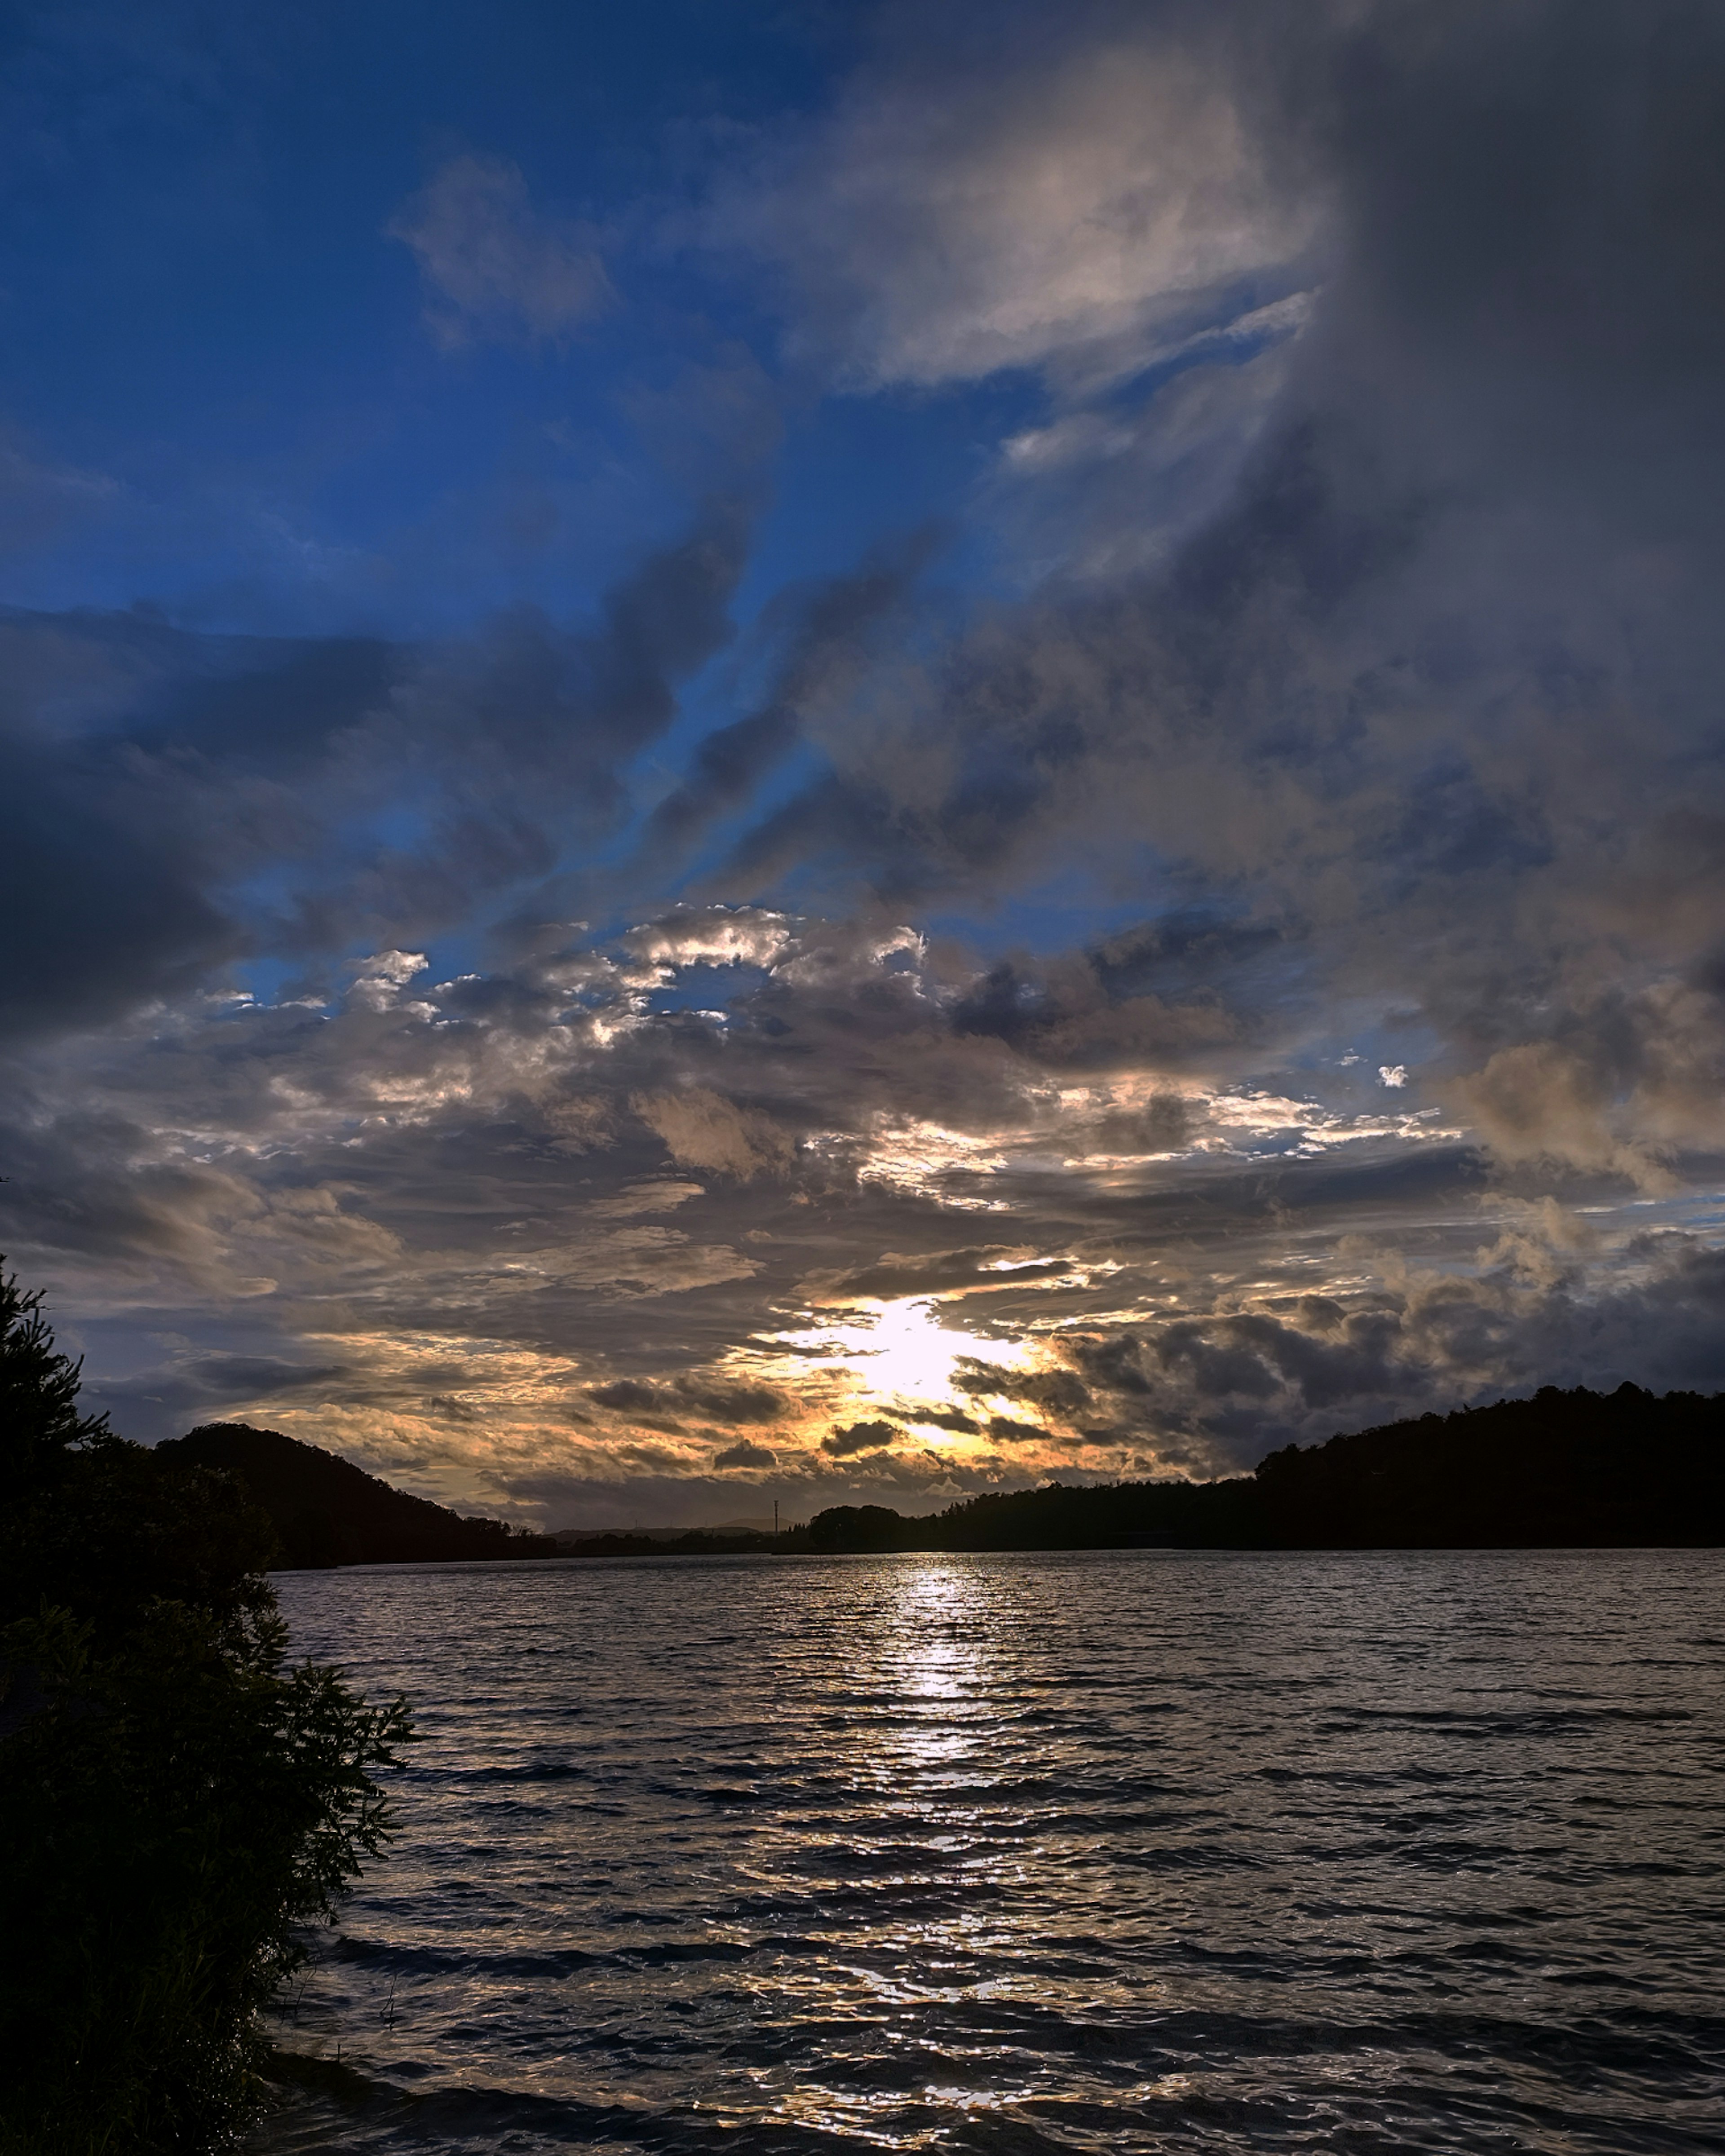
(1099, 1851)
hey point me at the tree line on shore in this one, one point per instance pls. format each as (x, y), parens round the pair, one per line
(1570, 1469)
(1565, 1469)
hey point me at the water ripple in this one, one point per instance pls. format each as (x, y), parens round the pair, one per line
(1136, 1851)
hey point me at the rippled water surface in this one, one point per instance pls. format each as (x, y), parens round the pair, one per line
(1135, 1851)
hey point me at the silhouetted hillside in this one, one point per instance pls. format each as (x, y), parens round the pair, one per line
(326, 1511)
(1565, 1470)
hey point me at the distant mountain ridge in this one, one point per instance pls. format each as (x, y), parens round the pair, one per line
(327, 1512)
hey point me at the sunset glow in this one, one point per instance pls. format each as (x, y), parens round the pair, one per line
(710, 754)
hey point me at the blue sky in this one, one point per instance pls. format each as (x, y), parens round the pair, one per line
(724, 726)
(214, 329)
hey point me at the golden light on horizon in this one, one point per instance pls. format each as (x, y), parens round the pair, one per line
(897, 1356)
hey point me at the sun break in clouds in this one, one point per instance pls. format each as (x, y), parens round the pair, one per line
(807, 762)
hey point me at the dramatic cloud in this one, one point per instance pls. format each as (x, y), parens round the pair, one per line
(1034, 207)
(173, 800)
(700, 1129)
(1201, 930)
(745, 1454)
(842, 1444)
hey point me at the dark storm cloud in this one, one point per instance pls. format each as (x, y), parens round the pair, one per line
(718, 1402)
(175, 1395)
(1056, 1391)
(745, 1453)
(273, 706)
(1430, 692)
(844, 1442)
(1394, 742)
(1118, 1003)
(149, 776)
(949, 1418)
(100, 915)
(498, 1205)
(1215, 1390)
(834, 628)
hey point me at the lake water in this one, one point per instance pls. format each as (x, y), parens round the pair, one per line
(1146, 1851)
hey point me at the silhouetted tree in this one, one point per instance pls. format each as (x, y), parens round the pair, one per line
(859, 1527)
(175, 1801)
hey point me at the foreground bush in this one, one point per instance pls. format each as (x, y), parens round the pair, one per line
(176, 1800)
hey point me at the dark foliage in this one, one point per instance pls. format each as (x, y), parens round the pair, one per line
(175, 1799)
(698, 1542)
(1565, 1470)
(858, 1527)
(1116, 1516)
(325, 1511)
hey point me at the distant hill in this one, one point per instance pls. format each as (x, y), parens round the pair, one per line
(327, 1512)
(1564, 1470)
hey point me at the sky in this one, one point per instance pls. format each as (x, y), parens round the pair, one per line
(814, 753)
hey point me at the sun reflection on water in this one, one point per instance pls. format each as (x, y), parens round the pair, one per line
(945, 1855)
(1101, 1853)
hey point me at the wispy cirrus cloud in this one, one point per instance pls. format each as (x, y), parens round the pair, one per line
(1069, 201)
(494, 268)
